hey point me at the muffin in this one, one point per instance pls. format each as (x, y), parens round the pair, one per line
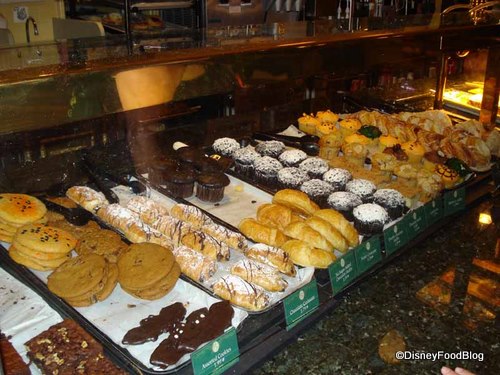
(210, 186)
(344, 202)
(225, 146)
(362, 188)
(370, 219)
(329, 145)
(392, 200)
(180, 183)
(315, 167)
(414, 150)
(325, 128)
(355, 153)
(338, 178)
(189, 155)
(349, 126)
(317, 190)
(207, 164)
(292, 158)
(327, 116)
(266, 170)
(244, 159)
(292, 178)
(160, 168)
(432, 158)
(357, 138)
(383, 163)
(308, 123)
(385, 141)
(270, 148)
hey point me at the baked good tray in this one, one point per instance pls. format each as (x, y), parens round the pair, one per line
(109, 320)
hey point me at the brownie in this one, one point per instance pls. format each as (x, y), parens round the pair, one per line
(12, 362)
(66, 348)
(210, 186)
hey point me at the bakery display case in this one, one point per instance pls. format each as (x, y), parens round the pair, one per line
(124, 128)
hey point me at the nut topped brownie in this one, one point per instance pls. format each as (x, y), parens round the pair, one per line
(66, 348)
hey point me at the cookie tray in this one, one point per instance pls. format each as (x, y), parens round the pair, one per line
(109, 320)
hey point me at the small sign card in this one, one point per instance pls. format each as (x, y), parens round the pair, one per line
(434, 210)
(368, 254)
(301, 303)
(454, 201)
(343, 271)
(395, 236)
(218, 355)
(416, 221)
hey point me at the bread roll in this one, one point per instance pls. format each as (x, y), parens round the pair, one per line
(306, 255)
(296, 200)
(276, 216)
(329, 232)
(262, 233)
(340, 223)
(302, 231)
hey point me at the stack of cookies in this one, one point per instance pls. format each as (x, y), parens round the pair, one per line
(17, 210)
(148, 271)
(103, 242)
(84, 280)
(41, 247)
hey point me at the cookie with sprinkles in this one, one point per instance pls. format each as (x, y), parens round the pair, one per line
(20, 209)
(45, 239)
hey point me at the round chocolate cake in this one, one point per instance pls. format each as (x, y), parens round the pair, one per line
(338, 178)
(370, 218)
(363, 188)
(292, 178)
(392, 200)
(344, 202)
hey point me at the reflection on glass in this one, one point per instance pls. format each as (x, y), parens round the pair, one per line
(485, 218)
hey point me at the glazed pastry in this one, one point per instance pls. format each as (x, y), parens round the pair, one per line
(276, 216)
(328, 231)
(259, 274)
(370, 218)
(193, 264)
(233, 239)
(302, 231)
(307, 124)
(241, 293)
(341, 224)
(261, 233)
(147, 209)
(387, 141)
(173, 228)
(384, 163)
(449, 177)
(191, 214)
(429, 140)
(414, 150)
(397, 152)
(86, 197)
(272, 256)
(306, 255)
(407, 174)
(432, 159)
(329, 145)
(295, 200)
(205, 244)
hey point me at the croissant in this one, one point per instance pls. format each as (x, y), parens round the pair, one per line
(301, 231)
(306, 255)
(295, 200)
(329, 232)
(276, 216)
(262, 233)
(338, 220)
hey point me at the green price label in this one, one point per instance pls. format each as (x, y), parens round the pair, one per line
(416, 222)
(343, 271)
(216, 356)
(368, 254)
(434, 210)
(454, 201)
(395, 237)
(301, 303)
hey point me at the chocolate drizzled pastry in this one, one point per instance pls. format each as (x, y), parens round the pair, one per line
(154, 325)
(201, 326)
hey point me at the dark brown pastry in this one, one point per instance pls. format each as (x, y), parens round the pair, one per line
(12, 362)
(397, 152)
(210, 186)
(180, 183)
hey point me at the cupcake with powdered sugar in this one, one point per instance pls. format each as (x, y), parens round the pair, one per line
(292, 158)
(370, 218)
(363, 188)
(292, 178)
(225, 146)
(392, 200)
(315, 167)
(338, 178)
(244, 160)
(270, 148)
(344, 202)
(318, 190)
(266, 170)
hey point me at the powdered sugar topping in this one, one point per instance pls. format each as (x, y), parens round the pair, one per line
(292, 176)
(337, 177)
(292, 157)
(361, 187)
(316, 188)
(226, 146)
(344, 200)
(371, 212)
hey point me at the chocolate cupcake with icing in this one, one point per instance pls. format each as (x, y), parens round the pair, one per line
(344, 202)
(266, 170)
(180, 183)
(362, 188)
(225, 146)
(318, 190)
(292, 158)
(315, 167)
(292, 178)
(392, 200)
(370, 218)
(244, 159)
(210, 186)
(270, 148)
(338, 178)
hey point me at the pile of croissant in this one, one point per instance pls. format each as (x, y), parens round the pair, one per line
(296, 224)
(469, 141)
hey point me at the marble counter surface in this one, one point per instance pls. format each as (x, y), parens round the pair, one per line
(423, 296)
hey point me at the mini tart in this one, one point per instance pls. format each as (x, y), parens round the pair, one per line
(225, 146)
(414, 150)
(449, 176)
(349, 126)
(338, 178)
(308, 123)
(317, 190)
(370, 219)
(327, 116)
(292, 178)
(270, 148)
(392, 200)
(387, 141)
(362, 188)
(344, 202)
(292, 158)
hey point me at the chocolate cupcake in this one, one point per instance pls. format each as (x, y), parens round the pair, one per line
(210, 186)
(292, 158)
(189, 155)
(292, 178)
(244, 159)
(206, 164)
(160, 168)
(225, 146)
(370, 218)
(270, 148)
(318, 190)
(363, 188)
(392, 200)
(344, 202)
(315, 167)
(179, 183)
(266, 170)
(338, 178)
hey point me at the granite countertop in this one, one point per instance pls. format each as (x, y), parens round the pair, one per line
(421, 299)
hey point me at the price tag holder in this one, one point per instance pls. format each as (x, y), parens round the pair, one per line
(343, 271)
(454, 201)
(416, 221)
(434, 210)
(368, 254)
(396, 236)
(218, 355)
(300, 304)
